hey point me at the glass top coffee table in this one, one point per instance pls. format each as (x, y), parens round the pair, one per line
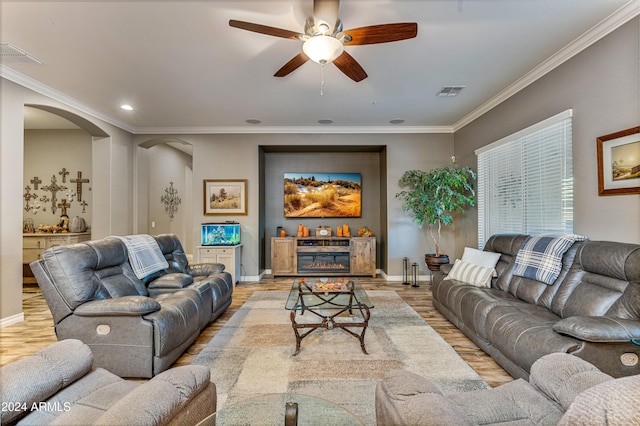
(278, 409)
(333, 302)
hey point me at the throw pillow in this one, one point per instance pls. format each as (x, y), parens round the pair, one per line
(469, 273)
(488, 259)
(540, 257)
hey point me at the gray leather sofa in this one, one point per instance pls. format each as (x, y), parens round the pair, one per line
(592, 309)
(59, 385)
(134, 327)
(562, 389)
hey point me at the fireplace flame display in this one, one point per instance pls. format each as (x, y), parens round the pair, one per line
(323, 262)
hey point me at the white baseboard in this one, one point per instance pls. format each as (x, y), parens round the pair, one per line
(14, 319)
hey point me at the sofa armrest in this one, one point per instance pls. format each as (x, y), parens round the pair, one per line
(563, 376)
(599, 329)
(127, 305)
(204, 269)
(162, 398)
(36, 378)
(174, 281)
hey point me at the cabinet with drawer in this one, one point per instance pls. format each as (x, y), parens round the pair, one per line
(229, 256)
(34, 244)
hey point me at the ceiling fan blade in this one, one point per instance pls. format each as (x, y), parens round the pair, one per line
(292, 65)
(383, 33)
(263, 29)
(350, 67)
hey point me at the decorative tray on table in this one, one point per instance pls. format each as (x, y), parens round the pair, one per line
(333, 285)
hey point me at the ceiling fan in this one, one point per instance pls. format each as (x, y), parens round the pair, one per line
(324, 39)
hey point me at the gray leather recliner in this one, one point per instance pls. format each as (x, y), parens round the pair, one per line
(135, 328)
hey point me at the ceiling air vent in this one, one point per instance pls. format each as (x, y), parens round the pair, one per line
(10, 54)
(450, 91)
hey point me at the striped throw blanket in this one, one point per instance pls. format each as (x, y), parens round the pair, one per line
(145, 255)
(540, 257)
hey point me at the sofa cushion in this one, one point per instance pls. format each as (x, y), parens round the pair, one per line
(175, 280)
(402, 396)
(34, 379)
(516, 402)
(518, 330)
(469, 273)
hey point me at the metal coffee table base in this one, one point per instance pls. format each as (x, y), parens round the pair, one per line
(329, 322)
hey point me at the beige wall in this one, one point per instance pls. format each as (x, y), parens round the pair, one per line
(237, 156)
(601, 85)
(46, 153)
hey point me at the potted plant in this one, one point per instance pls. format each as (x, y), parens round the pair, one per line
(433, 197)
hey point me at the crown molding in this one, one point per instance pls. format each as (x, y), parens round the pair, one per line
(614, 21)
(293, 129)
(56, 95)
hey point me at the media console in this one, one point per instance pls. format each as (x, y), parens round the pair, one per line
(323, 256)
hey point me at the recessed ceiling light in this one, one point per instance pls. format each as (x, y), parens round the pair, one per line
(126, 107)
(396, 121)
(253, 121)
(325, 121)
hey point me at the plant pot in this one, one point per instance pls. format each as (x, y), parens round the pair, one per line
(434, 262)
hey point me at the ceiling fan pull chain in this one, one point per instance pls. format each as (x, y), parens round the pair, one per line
(321, 79)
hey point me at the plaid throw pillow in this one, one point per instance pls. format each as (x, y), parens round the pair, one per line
(540, 257)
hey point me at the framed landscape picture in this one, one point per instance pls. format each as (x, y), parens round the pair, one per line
(619, 162)
(322, 195)
(225, 197)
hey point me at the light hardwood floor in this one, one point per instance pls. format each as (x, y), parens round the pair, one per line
(36, 332)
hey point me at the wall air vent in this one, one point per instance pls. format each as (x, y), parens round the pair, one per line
(10, 54)
(448, 91)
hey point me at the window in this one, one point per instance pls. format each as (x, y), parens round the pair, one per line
(525, 181)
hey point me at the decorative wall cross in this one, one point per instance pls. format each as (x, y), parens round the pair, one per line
(64, 206)
(79, 181)
(64, 174)
(35, 181)
(54, 188)
(84, 205)
(28, 196)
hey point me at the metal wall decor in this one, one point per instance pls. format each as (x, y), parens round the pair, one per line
(28, 196)
(170, 200)
(54, 188)
(79, 181)
(35, 202)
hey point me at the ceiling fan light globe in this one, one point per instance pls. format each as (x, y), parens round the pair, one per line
(322, 49)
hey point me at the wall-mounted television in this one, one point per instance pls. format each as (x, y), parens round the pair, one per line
(322, 195)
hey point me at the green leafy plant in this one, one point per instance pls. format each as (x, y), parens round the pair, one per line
(434, 196)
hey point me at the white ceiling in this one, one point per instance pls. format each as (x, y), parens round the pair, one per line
(185, 70)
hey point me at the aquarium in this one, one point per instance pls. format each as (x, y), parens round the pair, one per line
(220, 234)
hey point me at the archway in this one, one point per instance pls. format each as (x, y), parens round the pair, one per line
(164, 189)
(57, 174)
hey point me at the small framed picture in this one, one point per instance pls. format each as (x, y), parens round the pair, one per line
(225, 197)
(619, 162)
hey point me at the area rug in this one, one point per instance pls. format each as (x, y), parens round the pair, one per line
(252, 355)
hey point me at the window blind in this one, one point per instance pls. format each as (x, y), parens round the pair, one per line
(525, 181)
